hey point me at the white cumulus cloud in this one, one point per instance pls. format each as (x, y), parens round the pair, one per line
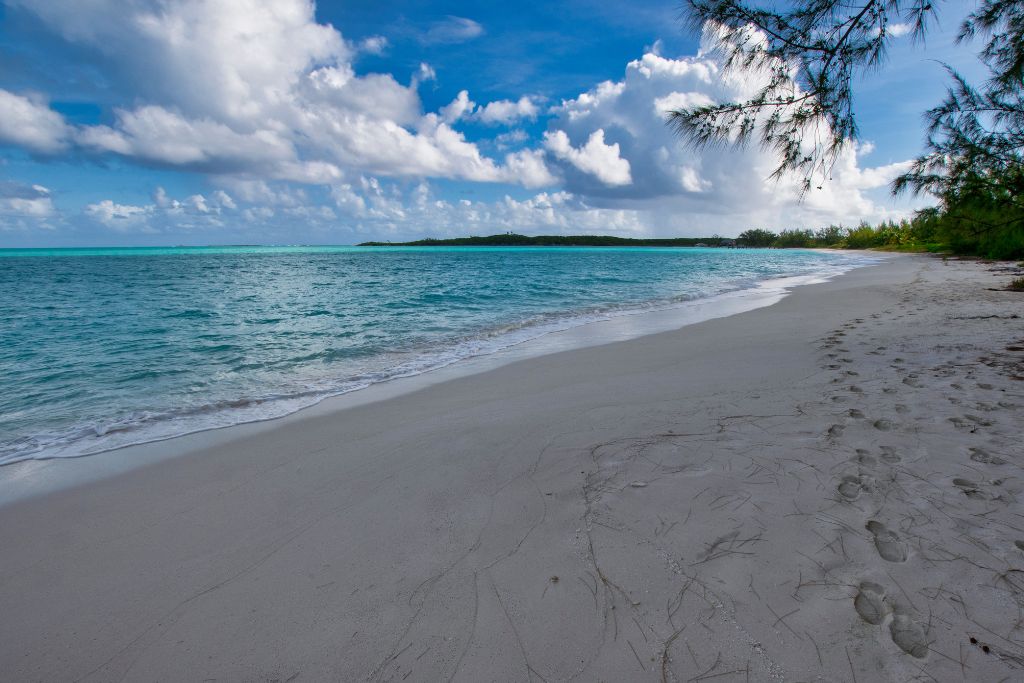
(257, 88)
(266, 101)
(374, 45)
(458, 108)
(507, 112)
(498, 112)
(30, 123)
(166, 214)
(24, 204)
(595, 157)
(681, 189)
(120, 217)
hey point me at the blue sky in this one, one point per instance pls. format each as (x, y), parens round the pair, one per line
(137, 122)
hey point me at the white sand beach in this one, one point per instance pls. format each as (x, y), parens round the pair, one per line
(823, 489)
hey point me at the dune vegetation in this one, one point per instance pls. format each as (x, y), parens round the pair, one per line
(953, 230)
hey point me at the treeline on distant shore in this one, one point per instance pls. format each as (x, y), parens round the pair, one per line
(975, 229)
(514, 240)
(966, 230)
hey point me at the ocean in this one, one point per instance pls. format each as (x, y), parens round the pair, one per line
(101, 348)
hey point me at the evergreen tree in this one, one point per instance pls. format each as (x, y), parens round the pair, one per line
(811, 54)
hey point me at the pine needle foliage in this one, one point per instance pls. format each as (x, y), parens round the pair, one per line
(811, 53)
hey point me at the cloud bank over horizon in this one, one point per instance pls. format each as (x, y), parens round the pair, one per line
(293, 140)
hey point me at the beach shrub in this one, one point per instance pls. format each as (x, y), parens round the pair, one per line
(830, 236)
(757, 238)
(789, 239)
(987, 231)
(862, 237)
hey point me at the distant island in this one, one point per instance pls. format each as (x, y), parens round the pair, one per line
(514, 240)
(918, 234)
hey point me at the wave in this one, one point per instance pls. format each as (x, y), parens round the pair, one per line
(146, 426)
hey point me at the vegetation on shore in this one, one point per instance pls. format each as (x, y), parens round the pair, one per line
(933, 230)
(815, 51)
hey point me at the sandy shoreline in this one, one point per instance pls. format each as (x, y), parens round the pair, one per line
(825, 489)
(335, 391)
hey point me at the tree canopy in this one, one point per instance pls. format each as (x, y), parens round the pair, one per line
(813, 51)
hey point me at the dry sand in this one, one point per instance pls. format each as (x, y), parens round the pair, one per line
(824, 489)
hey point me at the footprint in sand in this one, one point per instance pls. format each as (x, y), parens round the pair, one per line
(835, 431)
(969, 422)
(908, 636)
(889, 454)
(870, 602)
(850, 487)
(864, 459)
(969, 488)
(1019, 544)
(883, 425)
(900, 408)
(981, 455)
(911, 382)
(856, 414)
(887, 542)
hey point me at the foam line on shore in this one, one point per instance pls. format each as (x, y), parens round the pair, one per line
(538, 336)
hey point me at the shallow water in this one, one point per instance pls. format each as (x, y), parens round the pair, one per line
(105, 347)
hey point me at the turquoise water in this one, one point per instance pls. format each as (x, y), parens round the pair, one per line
(104, 347)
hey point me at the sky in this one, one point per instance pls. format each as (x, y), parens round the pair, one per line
(194, 122)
